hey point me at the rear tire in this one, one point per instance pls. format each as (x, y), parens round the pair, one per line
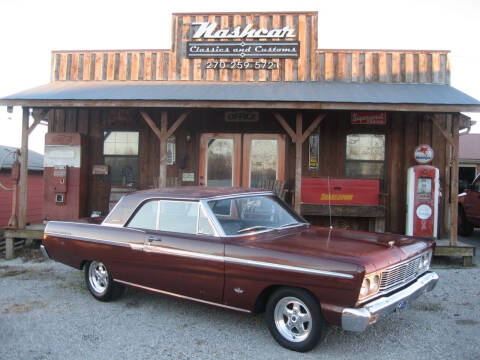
(294, 319)
(465, 228)
(100, 282)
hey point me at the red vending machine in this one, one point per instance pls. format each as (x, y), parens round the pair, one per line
(64, 176)
(423, 191)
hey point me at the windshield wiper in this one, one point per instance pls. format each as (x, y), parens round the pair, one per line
(253, 228)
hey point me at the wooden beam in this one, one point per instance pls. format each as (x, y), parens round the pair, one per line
(38, 115)
(215, 104)
(151, 123)
(312, 126)
(177, 123)
(298, 163)
(22, 203)
(435, 121)
(162, 176)
(454, 183)
(287, 128)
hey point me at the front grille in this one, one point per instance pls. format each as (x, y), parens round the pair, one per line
(399, 274)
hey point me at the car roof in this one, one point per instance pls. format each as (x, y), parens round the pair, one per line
(194, 192)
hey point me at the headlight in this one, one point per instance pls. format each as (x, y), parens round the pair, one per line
(370, 285)
(424, 262)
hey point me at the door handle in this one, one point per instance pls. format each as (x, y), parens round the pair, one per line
(153, 238)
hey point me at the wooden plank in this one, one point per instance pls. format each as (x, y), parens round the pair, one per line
(122, 66)
(23, 184)
(151, 123)
(98, 66)
(184, 62)
(454, 251)
(436, 122)
(71, 120)
(298, 162)
(409, 68)
(162, 179)
(383, 67)
(74, 67)
(135, 65)
(110, 66)
(369, 71)
(447, 178)
(341, 70)
(82, 121)
(355, 66)
(329, 67)
(147, 66)
(223, 73)
(87, 60)
(343, 210)
(62, 73)
(313, 48)
(160, 69)
(24, 234)
(302, 38)
(454, 184)
(396, 70)
(422, 67)
(289, 63)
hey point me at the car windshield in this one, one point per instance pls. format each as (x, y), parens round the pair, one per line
(243, 215)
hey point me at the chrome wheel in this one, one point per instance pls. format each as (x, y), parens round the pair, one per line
(293, 319)
(98, 277)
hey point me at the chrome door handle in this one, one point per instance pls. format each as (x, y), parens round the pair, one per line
(154, 238)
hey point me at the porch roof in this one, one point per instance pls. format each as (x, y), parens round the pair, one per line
(297, 95)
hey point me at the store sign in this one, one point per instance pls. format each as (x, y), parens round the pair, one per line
(208, 30)
(242, 116)
(368, 118)
(313, 151)
(423, 154)
(245, 46)
(241, 49)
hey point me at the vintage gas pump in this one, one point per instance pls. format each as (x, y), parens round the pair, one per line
(65, 176)
(423, 189)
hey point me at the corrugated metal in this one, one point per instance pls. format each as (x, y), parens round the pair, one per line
(35, 160)
(376, 93)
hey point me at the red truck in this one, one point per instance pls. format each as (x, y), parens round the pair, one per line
(469, 208)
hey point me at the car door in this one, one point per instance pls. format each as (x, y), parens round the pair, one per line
(183, 255)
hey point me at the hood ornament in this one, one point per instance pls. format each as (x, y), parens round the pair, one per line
(391, 243)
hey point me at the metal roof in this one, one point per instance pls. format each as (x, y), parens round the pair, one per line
(35, 160)
(93, 93)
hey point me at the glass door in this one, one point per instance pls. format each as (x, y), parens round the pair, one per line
(220, 157)
(263, 159)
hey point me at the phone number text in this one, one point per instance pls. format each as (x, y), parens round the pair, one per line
(251, 65)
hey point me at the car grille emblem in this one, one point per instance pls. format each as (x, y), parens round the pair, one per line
(238, 290)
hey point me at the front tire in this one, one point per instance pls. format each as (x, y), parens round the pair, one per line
(294, 319)
(100, 282)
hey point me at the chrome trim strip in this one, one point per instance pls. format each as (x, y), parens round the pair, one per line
(287, 267)
(220, 258)
(83, 238)
(181, 296)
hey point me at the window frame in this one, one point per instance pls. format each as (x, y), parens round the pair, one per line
(201, 207)
(383, 180)
(137, 157)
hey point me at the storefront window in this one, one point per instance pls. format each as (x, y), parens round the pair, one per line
(120, 152)
(365, 156)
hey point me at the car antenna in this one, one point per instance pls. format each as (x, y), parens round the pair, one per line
(329, 203)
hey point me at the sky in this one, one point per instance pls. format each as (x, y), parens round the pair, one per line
(31, 29)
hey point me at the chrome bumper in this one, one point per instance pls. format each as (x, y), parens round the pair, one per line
(44, 252)
(357, 319)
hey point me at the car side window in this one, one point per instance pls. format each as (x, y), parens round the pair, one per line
(476, 185)
(178, 216)
(145, 217)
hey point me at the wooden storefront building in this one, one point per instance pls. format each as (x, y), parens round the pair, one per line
(240, 98)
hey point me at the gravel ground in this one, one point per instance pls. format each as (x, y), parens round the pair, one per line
(46, 312)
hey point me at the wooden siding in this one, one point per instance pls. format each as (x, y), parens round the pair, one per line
(403, 132)
(395, 66)
(34, 200)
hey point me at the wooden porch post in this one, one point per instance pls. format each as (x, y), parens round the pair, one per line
(454, 183)
(22, 203)
(299, 137)
(453, 140)
(163, 134)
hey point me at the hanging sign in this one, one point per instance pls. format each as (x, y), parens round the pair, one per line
(314, 142)
(423, 154)
(241, 116)
(369, 118)
(171, 150)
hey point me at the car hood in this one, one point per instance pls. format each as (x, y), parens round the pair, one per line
(373, 251)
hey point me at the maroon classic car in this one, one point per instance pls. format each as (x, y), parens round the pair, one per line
(246, 250)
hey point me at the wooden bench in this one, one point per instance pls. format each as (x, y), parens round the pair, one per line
(444, 248)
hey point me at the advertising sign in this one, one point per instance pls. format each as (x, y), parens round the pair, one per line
(369, 118)
(423, 154)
